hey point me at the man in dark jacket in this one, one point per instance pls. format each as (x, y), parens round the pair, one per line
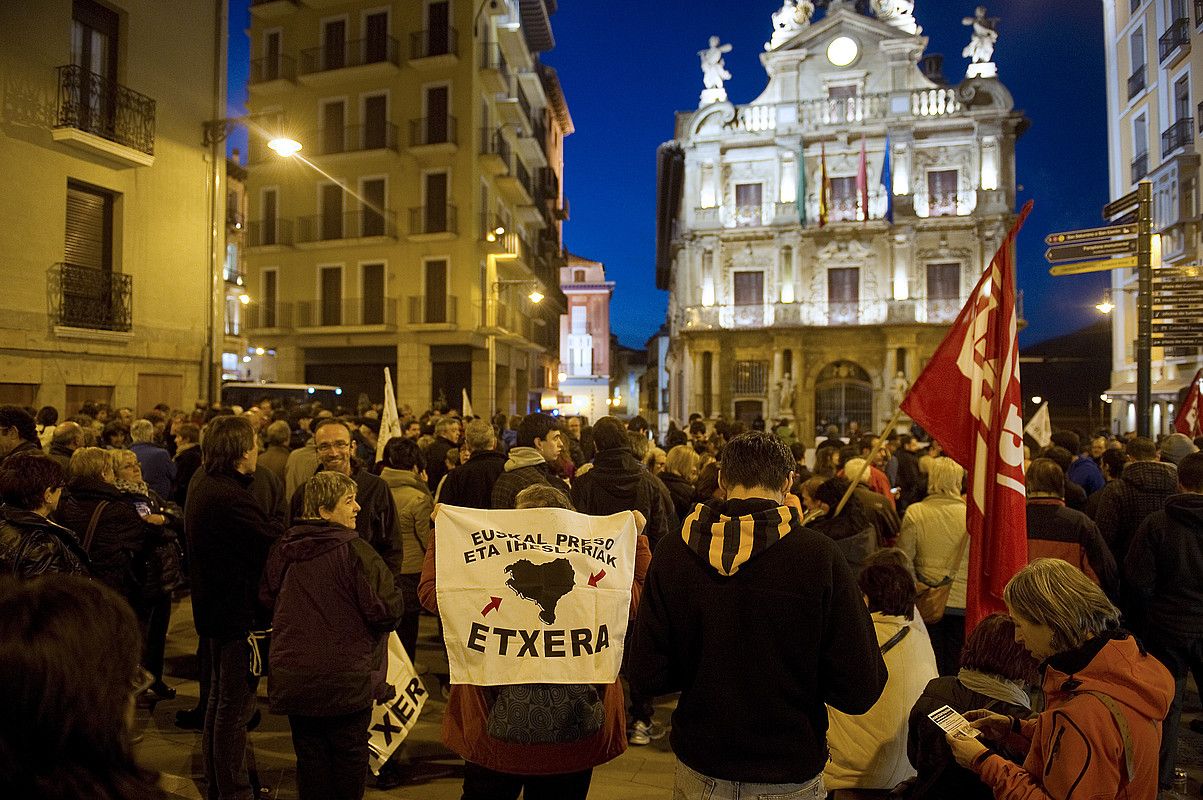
(446, 438)
(1082, 470)
(377, 519)
(471, 485)
(230, 535)
(1164, 569)
(187, 460)
(779, 591)
(68, 437)
(1055, 531)
(1142, 488)
(158, 470)
(536, 446)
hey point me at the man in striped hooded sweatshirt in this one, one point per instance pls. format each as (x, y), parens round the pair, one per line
(759, 623)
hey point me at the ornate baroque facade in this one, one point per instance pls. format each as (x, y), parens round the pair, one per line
(780, 307)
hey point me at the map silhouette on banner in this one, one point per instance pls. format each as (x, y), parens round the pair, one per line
(533, 596)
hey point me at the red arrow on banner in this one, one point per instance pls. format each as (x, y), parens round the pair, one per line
(494, 602)
(593, 579)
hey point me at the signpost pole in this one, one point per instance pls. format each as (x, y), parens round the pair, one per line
(1144, 307)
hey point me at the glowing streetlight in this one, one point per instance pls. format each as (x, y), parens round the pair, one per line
(535, 296)
(285, 147)
(244, 298)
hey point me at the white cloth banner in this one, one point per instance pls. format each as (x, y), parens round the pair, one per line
(394, 719)
(1040, 427)
(538, 595)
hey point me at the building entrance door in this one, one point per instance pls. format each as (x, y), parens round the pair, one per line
(844, 394)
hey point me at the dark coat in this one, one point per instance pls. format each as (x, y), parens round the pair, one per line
(525, 467)
(1142, 488)
(23, 446)
(229, 536)
(681, 492)
(618, 482)
(471, 484)
(1164, 568)
(911, 480)
(333, 601)
(1055, 531)
(186, 465)
(31, 545)
(436, 461)
(158, 470)
(119, 538)
(377, 520)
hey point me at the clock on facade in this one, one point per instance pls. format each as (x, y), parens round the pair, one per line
(842, 51)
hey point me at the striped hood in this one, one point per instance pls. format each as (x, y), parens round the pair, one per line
(731, 534)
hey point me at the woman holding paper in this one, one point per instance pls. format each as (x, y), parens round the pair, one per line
(333, 602)
(1105, 698)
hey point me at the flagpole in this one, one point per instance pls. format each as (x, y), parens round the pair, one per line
(865, 465)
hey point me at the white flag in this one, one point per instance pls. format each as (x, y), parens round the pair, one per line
(466, 405)
(393, 719)
(1039, 427)
(537, 595)
(390, 422)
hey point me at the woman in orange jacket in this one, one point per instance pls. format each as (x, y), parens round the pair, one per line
(1105, 698)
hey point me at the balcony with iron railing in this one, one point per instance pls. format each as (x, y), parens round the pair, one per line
(432, 44)
(269, 233)
(945, 204)
(513, 107)
(431, 132)
(495, 155)
(818, 313)
(347, 312)
(92, 299)
(356, 53)
(354, 139)
(433, 310)
(1140, 167)
(1180, 134)
(441, 221)
(363, 224)
(266, 70)
(1136, 82)
(1175, 41)
(267, 316)
(843, 111)
(91, 104)
(495, 74)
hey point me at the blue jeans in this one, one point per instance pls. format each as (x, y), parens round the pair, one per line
(691, 785)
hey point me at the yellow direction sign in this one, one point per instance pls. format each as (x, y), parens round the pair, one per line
(1094, 266)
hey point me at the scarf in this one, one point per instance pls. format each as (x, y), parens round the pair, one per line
(995, 687)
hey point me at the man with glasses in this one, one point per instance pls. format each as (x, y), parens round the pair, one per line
(377, 519)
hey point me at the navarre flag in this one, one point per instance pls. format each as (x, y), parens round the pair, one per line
(390, 422)
(1040, 427)
(887, 182)
(824, 186)
(1189, 420)
(535, 595)
(862, 182)
(393, 719)
(968, 398)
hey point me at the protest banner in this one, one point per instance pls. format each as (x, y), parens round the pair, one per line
(536, 595)
(393, 719)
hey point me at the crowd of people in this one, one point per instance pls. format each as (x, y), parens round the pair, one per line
(842, 568)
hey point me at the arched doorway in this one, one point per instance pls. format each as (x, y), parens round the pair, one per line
(843, 394)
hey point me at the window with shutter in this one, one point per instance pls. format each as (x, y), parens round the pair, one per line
(89, 239)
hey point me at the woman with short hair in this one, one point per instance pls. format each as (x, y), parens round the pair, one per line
(30, 543)
(1105, 698)
(680, 471)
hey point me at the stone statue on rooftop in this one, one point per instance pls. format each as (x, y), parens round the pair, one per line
(980, 49)
(897, 13)
(793, 16)
(714, 72)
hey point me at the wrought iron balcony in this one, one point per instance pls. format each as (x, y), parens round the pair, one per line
(433, 310)
(96, 299)
(356, 138)
(1176, 36)
(1180, 134)
(349, 311)
(355, 53)
(281, 67)
(432, 219)
(1136, 82)
(259, 316)
(433, 130)
(1140, 167)
(428, 44)
(493, 143)
(350, 225)
(269, 233)
(96, 105)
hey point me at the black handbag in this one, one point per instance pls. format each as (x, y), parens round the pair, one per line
(546, 713)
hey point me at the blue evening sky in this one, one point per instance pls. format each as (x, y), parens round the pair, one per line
(628, 65)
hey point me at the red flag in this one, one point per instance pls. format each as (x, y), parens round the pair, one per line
(968, 398)
(1190, 417)
(862, 182)
(824, 186)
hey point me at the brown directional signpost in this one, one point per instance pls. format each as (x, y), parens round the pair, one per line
(1124, 244)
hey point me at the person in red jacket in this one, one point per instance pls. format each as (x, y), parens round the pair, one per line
(1105, 698)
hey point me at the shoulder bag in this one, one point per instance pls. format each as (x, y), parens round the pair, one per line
(931, 598)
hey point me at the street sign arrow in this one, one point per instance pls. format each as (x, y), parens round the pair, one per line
(1179, 271)
(1120, 204)
(1093, 266)
(1126, 219)
(1089, 234)
(1084, 250)
(1178, 343)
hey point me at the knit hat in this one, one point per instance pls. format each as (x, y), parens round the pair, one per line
(1177, 446)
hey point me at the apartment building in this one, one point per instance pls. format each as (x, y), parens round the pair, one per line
(108, 253)
(420, 226)
(817, 242)
(1154, 51)
(584, 339)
